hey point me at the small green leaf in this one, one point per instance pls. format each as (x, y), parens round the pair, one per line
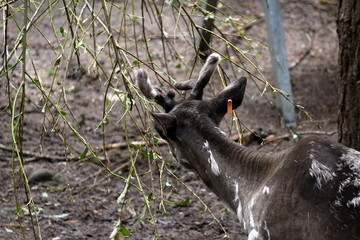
(125, 232)
(150, 197)
(136, 147)
(178, 66)
(169, 203)
(150, 155)
(202, 212)
(20, 209)
(63, 113)
(62, 31)
(136, 62)
(183, 203)
(170, 163)
(57, 62)
(83, 154)
(36, 80)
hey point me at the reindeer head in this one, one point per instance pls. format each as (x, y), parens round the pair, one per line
(189, 123)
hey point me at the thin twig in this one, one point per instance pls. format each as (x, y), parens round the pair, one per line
(289, 135)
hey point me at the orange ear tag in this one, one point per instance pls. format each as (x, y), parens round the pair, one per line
(229, 106)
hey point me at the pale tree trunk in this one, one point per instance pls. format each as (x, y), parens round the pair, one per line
(349, 82)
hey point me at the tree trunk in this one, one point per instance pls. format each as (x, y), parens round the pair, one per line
(349, 82)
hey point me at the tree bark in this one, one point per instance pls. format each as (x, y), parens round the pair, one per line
(349, 82)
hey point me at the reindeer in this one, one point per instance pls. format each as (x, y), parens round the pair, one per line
(309, 191)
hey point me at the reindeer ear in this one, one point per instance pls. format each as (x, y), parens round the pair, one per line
(165, 125)
(234, 91)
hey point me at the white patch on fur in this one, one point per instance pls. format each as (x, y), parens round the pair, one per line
(357, 181)
(337, 202)
(333, 146)
(214, 166)
(355, 202)
(236, 185)
(352, 159)
(251, 217)
(344, 184)
(320, 172)
(254, 235)
(223, 133)
(349, 160)
(266, 190)
(153, 92)
(267, 230)
(239, 213)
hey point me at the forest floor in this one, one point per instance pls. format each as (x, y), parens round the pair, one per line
(80, 203)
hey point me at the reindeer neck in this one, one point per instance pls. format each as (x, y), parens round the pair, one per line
(232, 170)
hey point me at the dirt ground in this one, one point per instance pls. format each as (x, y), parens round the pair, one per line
(80, 202)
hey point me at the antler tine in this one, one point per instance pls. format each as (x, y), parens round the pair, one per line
(205, 74)
(185, 85)
(161, 97)
(144, 84)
